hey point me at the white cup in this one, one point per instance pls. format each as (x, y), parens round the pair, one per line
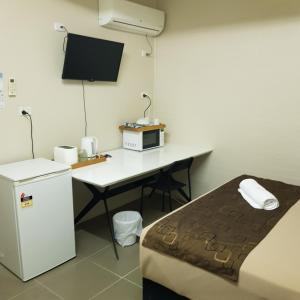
(156, 122)
(143, 121)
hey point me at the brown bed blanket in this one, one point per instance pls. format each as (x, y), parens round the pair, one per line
(217, 231)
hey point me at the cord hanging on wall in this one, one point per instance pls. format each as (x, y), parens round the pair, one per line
(144, 95)
(62, 28)
(150, 46)
(28, 117)
(145, 52)
(84, 108)
(145, 120)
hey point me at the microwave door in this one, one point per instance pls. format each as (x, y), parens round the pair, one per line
(150, 139)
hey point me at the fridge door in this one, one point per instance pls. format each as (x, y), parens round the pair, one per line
(46, 223)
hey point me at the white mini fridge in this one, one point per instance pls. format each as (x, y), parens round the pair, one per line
(36, 216)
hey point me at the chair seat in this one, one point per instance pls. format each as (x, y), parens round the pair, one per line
(166, 185)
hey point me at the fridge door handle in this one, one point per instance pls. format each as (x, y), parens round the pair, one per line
(43, 177)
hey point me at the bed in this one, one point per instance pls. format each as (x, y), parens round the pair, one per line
(270, 271)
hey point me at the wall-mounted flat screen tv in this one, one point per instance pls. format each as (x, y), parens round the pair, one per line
(92, 59)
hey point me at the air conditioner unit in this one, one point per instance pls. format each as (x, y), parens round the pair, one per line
(131, 17)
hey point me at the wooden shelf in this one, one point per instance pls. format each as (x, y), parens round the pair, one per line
(145, 128)
(89, 162)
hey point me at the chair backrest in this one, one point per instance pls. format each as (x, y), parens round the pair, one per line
(180, 165)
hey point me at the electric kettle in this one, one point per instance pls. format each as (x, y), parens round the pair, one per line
(89, 144)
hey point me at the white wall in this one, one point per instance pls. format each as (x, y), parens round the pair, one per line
(31, 51)
(227, 74)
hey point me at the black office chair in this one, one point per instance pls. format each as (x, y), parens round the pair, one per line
(166, 183)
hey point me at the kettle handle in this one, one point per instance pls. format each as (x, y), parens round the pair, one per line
(95, 145)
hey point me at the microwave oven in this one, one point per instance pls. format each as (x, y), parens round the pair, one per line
(143, 140)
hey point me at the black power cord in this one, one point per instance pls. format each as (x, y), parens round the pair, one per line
(148, 97)
(28, 117)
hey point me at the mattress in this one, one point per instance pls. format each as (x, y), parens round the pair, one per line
(263, 275)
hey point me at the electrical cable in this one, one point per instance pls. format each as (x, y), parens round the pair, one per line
(31, 136)
(84, 108)
(65, 28)
(82, 82)
(64, 44)
(28, 117)
(149, 43)
(65, 38)
(146, 96)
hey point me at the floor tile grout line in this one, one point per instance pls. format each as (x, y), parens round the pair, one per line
(131, 271)
(98, 251)
(35, 280)
(60, 271)
(25, 290)
(124, 277)
(79, 261)
(105, 289)
(132, 282)
(120, 279)
(83, 259)
(87, 257)
(104, 268)
(49, 290)
(120, 276)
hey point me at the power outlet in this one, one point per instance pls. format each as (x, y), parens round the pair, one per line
(26, 108)
(59, 27)
(144, 95)
(145, 53)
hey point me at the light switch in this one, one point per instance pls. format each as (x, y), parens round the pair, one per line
(12, 87)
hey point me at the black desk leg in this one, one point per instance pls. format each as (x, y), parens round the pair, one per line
(97, 197)
(111, 229)
(87, 208)
(184, 195)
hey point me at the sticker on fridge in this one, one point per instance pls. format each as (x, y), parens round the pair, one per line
(26, 200)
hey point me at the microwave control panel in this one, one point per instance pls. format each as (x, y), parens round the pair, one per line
(132, 140)
(130, 145)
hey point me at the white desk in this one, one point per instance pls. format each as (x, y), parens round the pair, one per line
(123, 166)
(127, 164)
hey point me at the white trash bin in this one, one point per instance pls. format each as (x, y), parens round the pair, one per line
(127, 225)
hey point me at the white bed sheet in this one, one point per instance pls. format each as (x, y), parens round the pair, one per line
(271, 271)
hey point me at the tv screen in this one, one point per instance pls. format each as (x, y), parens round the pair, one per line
(92, 59)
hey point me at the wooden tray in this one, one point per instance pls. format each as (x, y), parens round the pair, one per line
(145, 128)
(88, 162)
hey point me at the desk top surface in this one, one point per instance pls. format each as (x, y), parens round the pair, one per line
(127, 164)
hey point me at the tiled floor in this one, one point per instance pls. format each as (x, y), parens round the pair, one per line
(94, 273)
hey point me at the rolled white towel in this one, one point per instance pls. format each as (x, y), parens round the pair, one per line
(257, 196)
